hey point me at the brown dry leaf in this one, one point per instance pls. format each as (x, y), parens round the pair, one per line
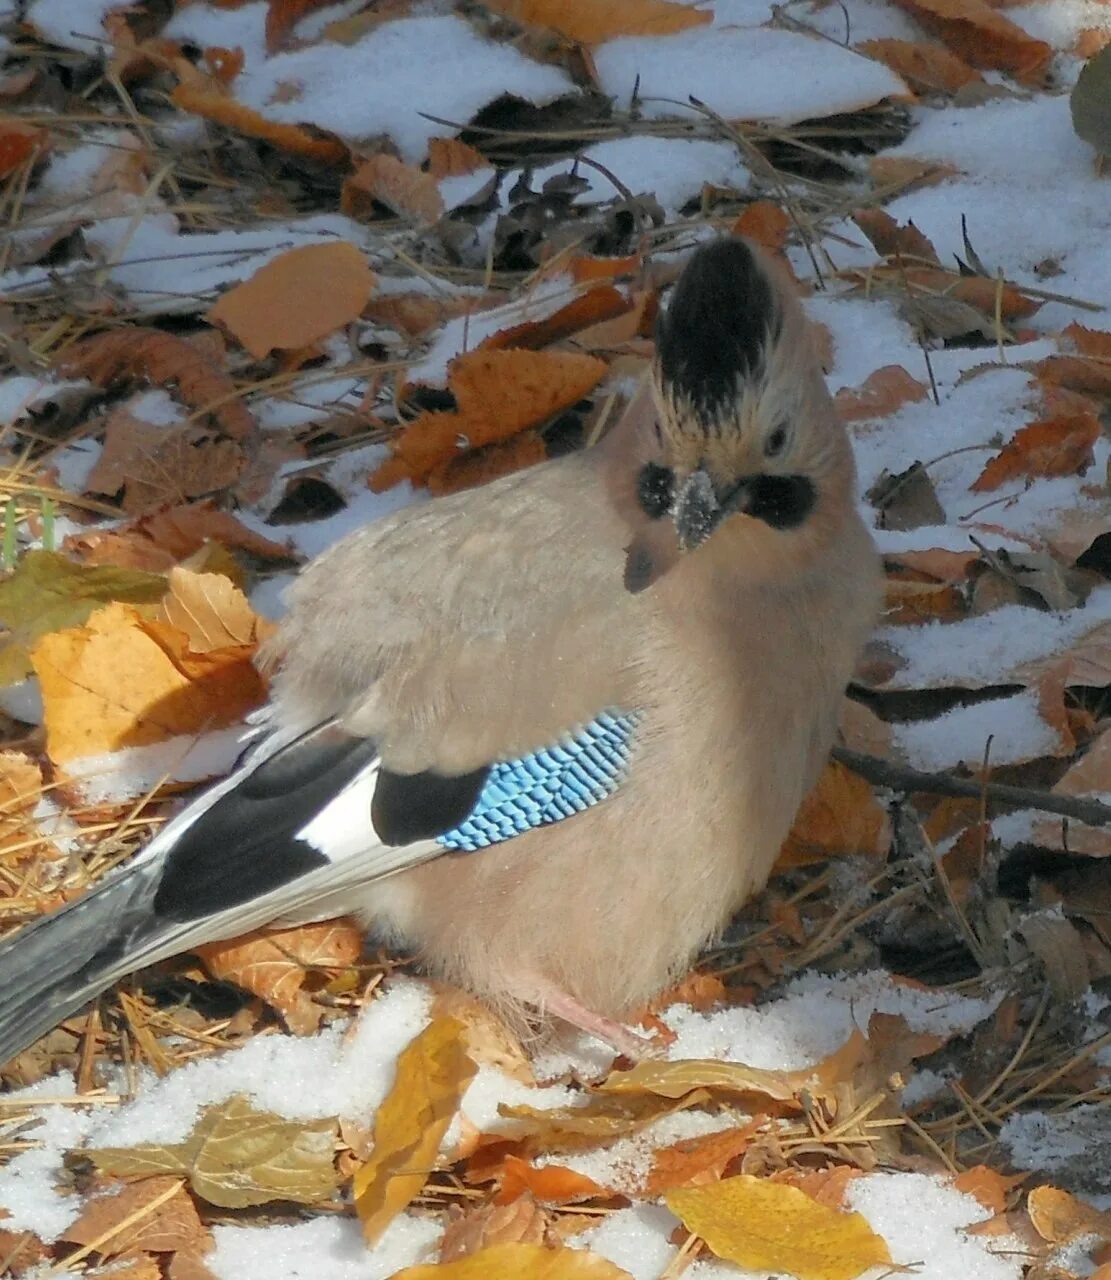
(187, 1266)
(519, 1262)
(158, 541)
(906, 173)
(826, 1186)
(989, 1186)
(702, 991)
(841, 817)
(21, 788)
(591, 308)
(1085, 362)
(211, 612)
(521, 1222)
(881, 393)
(926, 67)
(297, 298)
(19, 141)
(696, 1161)
(762, 1226)
(171, 1225)
(765, 222)
(453, 158)
(890, 240)
(163, 359)
(756, 1089)
(480, 466)
(983, 37)
(602, 1120)
(912, 603)
(403, 188)
(498, 393)
(215, 104)
(586, 22)
(122, 680)
(21, 1251)
(488, 1039)
(433, 1073)
(549, 1184)
(283, 15)
(237, 1157)
(275, 964)
(1060, 1217)
(1059, 446)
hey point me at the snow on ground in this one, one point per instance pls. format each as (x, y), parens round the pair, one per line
(1026, 186)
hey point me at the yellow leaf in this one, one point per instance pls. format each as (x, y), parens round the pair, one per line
(675, 1079)
(296, 299)
(588, 22)
(433, 1073)
(519, 1262)
(765, 1226)
(211, 611)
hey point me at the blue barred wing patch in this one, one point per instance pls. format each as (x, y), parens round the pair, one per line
(548, 785)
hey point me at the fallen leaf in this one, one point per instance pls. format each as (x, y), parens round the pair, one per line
(907, 500)
(983, 37)
(49, 591)
(519, 1262)
(586, 268)
(433, 1073)
(880, 394)
(908, 604)
(758, 1088)
(237, 1157)
(601, 1120)
(404, 189)
(283, 15)
(22, 1252)
(170, 1225)
(488, 1039)
(586, 22)
(926, 67)
(125, 680)
(297, 298)
(275, 964)
(498, 394)
(696, 1161)
(907, 173)
(133, 352)
(549, 1183)
(765, 222)
(215, 104)
(890, 240)
(1053, 447)
(19, 141)
(211, 612)
(520, 1222)
(593, 307)
(990, 1187)
(841, 817)
(453, 158)
(1059, 1217)
(762, 1226)
(826, 1186)
(480, 466)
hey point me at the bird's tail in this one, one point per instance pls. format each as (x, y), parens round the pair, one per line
(54, 967)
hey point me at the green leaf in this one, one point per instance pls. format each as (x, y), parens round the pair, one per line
(48, 592)
(237, 1157)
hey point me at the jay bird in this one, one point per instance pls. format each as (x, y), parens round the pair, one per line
(549, 733)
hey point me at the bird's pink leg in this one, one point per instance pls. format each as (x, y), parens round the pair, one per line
(551, 999)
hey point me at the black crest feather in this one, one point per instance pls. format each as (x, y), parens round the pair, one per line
(722, 315)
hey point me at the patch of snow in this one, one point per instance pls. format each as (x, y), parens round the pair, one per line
(1074, 1143)
(636, 1239)
(71, 26)
(21, 394)
(130, 772)
(1014, 724)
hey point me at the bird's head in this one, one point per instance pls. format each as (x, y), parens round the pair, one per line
(743, 434)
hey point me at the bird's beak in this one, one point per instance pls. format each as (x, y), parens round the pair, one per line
(699, 508)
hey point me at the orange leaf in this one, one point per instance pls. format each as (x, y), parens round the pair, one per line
(989, 1186)
(911, 603)
(283, 15)
(928, 68)
(891, 240)
(519, 1262)
(588, 268)
(695, 1161)
(587, 22)
(840, 817)
(826, 1186)
(480, 466)
(452, 158)
(275, 964)
(1055, 447)
(589, 308)
(766, 223)
(174, 1224)
(402, 188)
(219, 107)
(551, 1183)
(983, 37)
(297, 298)
(881, 393)
(1058, 1216)
(18, 142)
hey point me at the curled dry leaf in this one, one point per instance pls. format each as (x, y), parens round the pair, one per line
(520, 1222)
(211, 612)
(764, 1226)
(402, 188)
(519, 1262)
(215, 104)
(586, 22)
(498, 394)
(19, 141)
(1060, 1217)
(696, 1161)
(991, 1188)
(275, 964)
(549, 1183)
(433, 1073)
(593, 307)
(841, 817)
(826, 1186)
(881, 393)
(890, 240)
(171, 1225)
(162, 359)
(480, 466)
(765, 222)
(297, 298)
(1059, 446)
(237, 1157)
(926, 67)
(983, 37)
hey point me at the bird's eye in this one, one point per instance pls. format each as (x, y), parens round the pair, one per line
(776, 442)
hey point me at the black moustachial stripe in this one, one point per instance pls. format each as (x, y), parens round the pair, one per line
(655, 490)
(714, 333)
(419, 806)
(245, 845)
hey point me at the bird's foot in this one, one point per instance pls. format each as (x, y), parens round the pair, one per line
(547, 996)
